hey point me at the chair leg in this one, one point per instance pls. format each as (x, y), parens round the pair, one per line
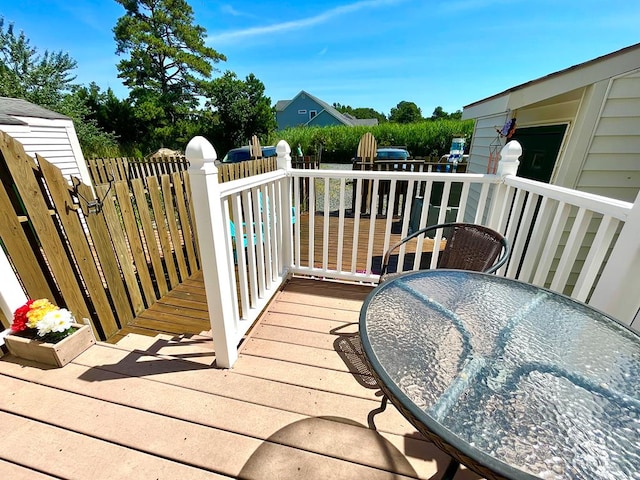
(451, 470)
(375, 411)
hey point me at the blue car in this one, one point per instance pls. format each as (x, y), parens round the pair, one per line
(242, 154)
(392, 154)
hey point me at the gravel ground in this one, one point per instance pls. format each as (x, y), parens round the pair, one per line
(334, 188)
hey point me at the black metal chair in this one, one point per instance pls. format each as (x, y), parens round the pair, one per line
(468, 247)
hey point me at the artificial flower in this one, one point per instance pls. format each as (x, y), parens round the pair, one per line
(44, 320)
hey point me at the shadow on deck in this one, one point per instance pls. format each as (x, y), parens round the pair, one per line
(152, 407)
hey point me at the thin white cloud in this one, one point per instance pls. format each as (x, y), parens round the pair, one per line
(466, 5)
(229, 10)
(323, 51)
(323, 17)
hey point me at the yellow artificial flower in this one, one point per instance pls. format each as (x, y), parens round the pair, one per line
(38, 310)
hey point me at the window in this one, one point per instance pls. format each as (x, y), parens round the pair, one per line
(302, 112)
(312, 113)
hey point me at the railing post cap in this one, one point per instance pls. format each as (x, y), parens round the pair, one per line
(511, 151)
(283, 148)
(508, 164)
(200, 151)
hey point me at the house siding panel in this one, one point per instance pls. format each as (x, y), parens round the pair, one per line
(612, 164)
(49, 139)
(290, 117)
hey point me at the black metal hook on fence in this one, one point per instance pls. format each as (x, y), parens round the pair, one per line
(95, 206)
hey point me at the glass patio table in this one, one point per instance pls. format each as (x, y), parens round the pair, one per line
(511, 380)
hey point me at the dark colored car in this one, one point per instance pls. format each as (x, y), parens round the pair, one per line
(241, 154)
(392, 154)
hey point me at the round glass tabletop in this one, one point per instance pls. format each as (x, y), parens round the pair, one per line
(526, 382)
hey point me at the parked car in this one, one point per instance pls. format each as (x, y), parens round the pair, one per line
(392, 154)
(241, 154)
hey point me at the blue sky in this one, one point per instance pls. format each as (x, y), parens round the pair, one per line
(367, 53)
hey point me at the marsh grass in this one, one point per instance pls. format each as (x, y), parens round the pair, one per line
(339, 143)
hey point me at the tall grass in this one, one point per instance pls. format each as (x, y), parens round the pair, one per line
(339, 143)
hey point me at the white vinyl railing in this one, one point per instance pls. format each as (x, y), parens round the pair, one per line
(337, 224)
(244, 235)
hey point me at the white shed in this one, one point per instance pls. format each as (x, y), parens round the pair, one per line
(45, 132)
(579, 127)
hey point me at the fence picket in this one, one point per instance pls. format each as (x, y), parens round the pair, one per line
(135, 243)
(22, 170)
(108, 261)
(19, 250)
(192, 214)
(185, 224)
(118, 237)
(163, 232)
(170, 212)
(149, 235)
(59, 191)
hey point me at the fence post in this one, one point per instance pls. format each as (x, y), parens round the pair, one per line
(212, 239)
(618, 290)
(283, 151)
(508, 165)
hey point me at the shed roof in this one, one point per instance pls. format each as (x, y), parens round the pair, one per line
(18, 107)
(616, 63)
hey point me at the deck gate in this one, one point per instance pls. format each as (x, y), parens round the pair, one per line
(105, 255)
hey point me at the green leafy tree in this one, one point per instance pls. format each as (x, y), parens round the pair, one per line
(241, 109)
(405, 112)
(361, 112)
(46, 79)
(168, 64)
(439, 114)
(112, 115)
(24, 73)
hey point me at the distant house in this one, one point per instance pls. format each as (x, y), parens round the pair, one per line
(579, 127)
(47, 133)
(305, 109)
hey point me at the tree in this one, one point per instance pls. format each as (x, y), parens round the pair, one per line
(405, 112)
(42, 79)
(361, 112)
(241, 107)
(439, 113)
(112, 115)
(47, 80)
(168, 62)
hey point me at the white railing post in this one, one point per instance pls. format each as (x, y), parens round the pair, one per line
(508, 165)
(283, 150)
(618, 290)
(216, 266)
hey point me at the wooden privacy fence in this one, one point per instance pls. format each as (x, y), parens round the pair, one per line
(248, 168)
(106, 262)
(104, 170)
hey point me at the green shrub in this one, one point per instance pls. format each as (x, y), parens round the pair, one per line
(339, 143)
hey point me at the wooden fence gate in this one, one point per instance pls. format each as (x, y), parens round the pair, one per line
(105, 256)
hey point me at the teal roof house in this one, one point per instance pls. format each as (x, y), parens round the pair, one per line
(305, 109)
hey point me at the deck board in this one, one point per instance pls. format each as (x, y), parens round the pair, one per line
(290, 407)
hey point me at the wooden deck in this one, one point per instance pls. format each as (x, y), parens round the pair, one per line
(154, 407)
(184, 309)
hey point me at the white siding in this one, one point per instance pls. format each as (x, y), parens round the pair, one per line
(484, 135)
(54, 140)
(612, 165)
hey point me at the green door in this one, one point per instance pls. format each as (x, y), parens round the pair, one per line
(540, 148)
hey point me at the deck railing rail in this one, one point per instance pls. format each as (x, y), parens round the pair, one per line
(561, 239)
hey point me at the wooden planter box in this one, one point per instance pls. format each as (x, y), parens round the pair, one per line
(56, 354)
